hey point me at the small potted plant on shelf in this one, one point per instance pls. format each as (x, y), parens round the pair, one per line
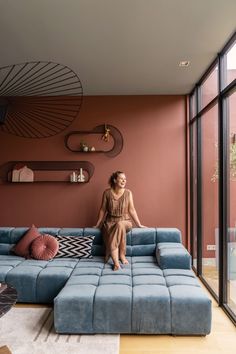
(84, 147)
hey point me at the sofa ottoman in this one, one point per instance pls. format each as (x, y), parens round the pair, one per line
(140, 298)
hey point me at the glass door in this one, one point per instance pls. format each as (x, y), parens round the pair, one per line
(194, 186)
(210, 198)
(231, 235)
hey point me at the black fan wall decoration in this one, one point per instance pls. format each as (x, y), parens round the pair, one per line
(38, 99)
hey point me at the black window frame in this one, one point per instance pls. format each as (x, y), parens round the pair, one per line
(221, 99)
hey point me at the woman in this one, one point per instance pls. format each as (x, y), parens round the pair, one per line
(114, 218)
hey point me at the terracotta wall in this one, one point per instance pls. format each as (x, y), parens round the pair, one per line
(153, 158)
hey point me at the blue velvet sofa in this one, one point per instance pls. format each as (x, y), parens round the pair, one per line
(157, 293)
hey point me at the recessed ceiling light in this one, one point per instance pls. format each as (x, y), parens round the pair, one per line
(184, 63)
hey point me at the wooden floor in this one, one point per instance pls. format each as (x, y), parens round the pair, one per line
(211, 275)
(222, 339)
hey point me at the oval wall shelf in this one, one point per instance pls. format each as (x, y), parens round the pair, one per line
(100, 129)
(44, 168)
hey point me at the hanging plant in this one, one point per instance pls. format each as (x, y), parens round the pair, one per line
(232, 164)
(233, 161)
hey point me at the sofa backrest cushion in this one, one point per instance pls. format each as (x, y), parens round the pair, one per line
(140, 241)
(9, 236)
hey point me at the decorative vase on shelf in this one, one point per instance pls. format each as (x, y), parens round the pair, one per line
(73, 177)
(81, 176)
(23, 174)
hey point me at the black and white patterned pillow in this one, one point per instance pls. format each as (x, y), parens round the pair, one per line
(74, 246)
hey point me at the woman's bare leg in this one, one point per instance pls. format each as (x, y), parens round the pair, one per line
(124, 227)
(107, 256)
(115, 258)
(122, 251)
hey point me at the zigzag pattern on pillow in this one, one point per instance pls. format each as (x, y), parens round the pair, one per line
(75, 247)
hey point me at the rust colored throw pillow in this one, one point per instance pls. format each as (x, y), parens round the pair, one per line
(44, 247)
(22, 248)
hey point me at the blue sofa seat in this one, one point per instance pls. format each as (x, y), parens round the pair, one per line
(156, 293)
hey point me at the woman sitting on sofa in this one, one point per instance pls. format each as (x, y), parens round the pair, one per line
(114, 218)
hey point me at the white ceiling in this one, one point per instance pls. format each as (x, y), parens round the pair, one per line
(119, 47)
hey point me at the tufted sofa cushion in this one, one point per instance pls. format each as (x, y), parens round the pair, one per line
(172, 255)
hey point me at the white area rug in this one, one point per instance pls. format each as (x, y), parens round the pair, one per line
(31, 331)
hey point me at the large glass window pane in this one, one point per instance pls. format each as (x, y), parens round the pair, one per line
(231, 65)
(231, 241)
(193, 105)
(210, 222)
(209, 87)
(194, 191)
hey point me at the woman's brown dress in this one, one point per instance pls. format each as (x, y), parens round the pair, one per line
(117, 222)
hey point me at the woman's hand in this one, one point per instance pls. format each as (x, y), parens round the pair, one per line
(142, 226)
